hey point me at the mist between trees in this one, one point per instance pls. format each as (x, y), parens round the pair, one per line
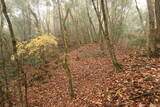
(31, 31)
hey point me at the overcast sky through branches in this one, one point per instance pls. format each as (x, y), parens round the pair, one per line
(142, 3)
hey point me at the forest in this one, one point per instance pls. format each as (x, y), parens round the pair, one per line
(79, 53)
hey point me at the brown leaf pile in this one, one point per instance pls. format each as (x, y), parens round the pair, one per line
(97, 85)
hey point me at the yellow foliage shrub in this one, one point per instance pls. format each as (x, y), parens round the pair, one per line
(21, 49)
(37, 47)
(41, 45)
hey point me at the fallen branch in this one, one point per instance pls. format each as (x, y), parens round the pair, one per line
(142, 95)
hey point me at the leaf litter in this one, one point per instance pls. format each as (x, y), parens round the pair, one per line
(97, 85)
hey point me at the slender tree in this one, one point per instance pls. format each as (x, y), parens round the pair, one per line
(4, 60)
(4, 9)
(151, 36)
(106, 35)
(94, 33)
(14, 43)
(65, 63)
(157, 11)
(65, 40)
(109, 44)
(141, 18)
(36, 21)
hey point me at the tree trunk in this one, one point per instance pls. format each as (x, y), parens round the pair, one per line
(4, 61)
(60, 16)
(65, 40)
(76, 27)
(4, 9)
(48, 19)
(151, 36)
(91, 23)
(141, 19)
(109, 44)
(24, 27)
(106, 36)
(38, 30)
(29, 21)
(157, 11)
(100, 32)
(14, 43)
(66, 65)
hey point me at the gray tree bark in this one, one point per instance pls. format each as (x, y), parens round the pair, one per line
(152, 35)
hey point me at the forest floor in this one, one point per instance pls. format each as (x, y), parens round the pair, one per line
(96, 84)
